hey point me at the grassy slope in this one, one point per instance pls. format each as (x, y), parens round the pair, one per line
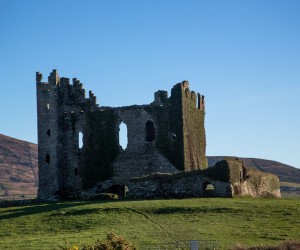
(229, 221)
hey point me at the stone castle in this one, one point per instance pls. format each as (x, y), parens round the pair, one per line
(165, 155)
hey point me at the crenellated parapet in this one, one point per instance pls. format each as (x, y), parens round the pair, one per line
(92, 97)
(54, 78)
(195, 99)
(160, 97)
(70, 97)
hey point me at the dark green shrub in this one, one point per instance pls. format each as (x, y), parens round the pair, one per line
(112, 242)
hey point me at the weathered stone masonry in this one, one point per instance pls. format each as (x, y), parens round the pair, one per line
(165, 137)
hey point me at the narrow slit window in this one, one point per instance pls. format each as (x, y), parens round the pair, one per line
(48, 132)
(48, 106)
(80, 140)
(76, 171)
(47, 158)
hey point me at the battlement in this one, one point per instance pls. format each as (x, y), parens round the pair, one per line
(194, 99)
(54, 78)
(185, 84)
(92, 97)
(38, 77)
(160, 97)
(71, 93)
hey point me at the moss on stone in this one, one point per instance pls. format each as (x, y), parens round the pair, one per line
(101, 147)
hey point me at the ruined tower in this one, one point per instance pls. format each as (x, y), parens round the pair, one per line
(187, 111)
(166, 136)
(60, 109)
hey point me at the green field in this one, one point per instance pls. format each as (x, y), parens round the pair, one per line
(290, 184)
(292, 192)
(229, 221)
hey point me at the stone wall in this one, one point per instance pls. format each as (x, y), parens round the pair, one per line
(181, 185)
(188, 125)
(100, 147)
(228, 178)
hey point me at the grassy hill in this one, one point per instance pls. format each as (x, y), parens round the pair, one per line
(18, 168)
(229, 221)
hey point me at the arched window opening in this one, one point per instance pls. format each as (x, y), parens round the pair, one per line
(208, 189)
(150, 131)
(118, 189)
(123, 137)
(80, 140)
(48, 106)
(48, 132)
(47, 158)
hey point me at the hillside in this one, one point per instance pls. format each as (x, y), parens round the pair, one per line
(18, 168)
(285, 172)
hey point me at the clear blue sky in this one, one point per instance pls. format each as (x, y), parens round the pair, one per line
(243, 55)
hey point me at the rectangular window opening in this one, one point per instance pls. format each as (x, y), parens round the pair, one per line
(48, 158)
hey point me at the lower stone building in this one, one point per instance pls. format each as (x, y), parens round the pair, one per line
(228, 178)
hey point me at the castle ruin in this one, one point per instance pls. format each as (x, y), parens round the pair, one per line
(165, 154)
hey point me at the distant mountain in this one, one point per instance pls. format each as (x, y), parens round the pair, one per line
(285, 172)
(18, 168)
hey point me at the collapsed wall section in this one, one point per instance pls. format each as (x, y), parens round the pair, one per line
(228, 178)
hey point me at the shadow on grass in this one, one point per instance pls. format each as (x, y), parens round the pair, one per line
(189, 210)
(15, 212)
(39, 208)
(87, 211)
